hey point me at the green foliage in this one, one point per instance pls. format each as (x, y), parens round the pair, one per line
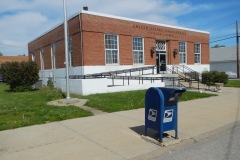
(19, 75)
(52, 93)
(218, 46)
(233, 83)
(212, 77)
(30, 108)
(119, 101)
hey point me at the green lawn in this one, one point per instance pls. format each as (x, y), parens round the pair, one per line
(112, 102)
(233, 83)
(29, 108)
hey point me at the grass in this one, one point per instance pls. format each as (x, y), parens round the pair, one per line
(233, 83)
(18, 109)
(29, 108)
(112, 102)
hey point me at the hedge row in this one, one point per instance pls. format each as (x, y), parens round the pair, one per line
(213, 77)
(19, 75)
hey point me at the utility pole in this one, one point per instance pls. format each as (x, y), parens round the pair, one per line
(66, 49)
(237, 40)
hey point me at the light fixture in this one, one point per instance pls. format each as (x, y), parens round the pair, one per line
(153, 50)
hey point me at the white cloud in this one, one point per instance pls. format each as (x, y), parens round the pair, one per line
(22, 21)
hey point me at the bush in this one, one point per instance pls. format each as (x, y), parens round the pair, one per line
(19, 75)
(212, 77)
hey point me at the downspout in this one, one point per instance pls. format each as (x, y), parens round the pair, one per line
(81, 41)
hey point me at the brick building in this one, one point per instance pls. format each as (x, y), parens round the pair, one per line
(4, 59)
(100, 43)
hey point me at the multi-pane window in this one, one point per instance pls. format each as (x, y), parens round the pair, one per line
(42, 58)
(53, 51)
(182, 52)
(137, 50)
(70, 51)
(197, 53)
(111, 48)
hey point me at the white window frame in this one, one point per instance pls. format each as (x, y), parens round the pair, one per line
(112, 48)
(138, 50)
(53, 55)
(33, 57)
(42, 58)
(70, 51)
(197, 52)
(182, 53)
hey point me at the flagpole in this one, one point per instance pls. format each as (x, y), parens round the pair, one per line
(66, 49)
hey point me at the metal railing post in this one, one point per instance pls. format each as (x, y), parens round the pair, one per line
(112, 81)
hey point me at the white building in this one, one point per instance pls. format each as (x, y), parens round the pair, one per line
(224, 59)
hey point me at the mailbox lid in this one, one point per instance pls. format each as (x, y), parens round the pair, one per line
(171, 95)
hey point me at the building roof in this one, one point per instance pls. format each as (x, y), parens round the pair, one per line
(13, 59)
(121, 18)
(223, 54)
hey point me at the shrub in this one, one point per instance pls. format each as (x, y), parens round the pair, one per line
(212, 77)
(19, 75)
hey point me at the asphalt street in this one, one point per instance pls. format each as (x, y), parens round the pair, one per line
(222, 146)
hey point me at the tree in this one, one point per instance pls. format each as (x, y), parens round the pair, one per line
(22, 55)
(218, 46)
(1, 54)
(19, 75)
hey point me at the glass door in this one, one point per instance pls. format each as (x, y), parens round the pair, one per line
(161, 56)
(161, 62)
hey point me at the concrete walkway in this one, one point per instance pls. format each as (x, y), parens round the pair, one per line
(117, 136)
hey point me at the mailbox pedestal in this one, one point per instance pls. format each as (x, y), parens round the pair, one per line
(161, 109)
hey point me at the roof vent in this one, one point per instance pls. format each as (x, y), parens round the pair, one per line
(85, 8)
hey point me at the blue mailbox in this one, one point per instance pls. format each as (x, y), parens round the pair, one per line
(161, 109)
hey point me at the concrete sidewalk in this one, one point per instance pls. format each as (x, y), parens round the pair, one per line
(117, 136)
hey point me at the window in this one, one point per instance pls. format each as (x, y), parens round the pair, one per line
(70, 51)
(42, 58)
(197, 53)
(33, 56)
(137, 50)
(111, 49)
(182, 52)
(53, 51)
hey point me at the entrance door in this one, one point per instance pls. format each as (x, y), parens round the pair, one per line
(161, 62)
(161, 56)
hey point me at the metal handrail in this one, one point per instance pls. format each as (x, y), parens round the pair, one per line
(189, 79)
(113, 73)
(142, 79)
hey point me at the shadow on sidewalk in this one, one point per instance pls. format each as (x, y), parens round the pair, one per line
(150, 133)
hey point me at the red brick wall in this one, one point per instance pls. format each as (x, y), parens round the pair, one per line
(148, 43)
(190, 53)
(205, 54)
(126, 30)
(125, 50)
(57, 36)
(4, 59)
(95, 27)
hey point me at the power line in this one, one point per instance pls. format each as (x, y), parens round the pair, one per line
(223, 39)
(221, 27)
(224, 36)
(13, 46)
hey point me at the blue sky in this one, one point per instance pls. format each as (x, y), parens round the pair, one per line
(23, 20)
